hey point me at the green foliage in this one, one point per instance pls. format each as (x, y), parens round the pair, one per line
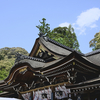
(1, 57)
(63, 35)
(95, 42)
(43, 28)
(7, 59)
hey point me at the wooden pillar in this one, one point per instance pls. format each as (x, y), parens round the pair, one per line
(31, 95)
(69, 96)
(53, 93)
(72, 97)
(19, 96)
(79, 97)
(88, 96)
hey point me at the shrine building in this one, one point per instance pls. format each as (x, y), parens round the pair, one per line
(53, 71)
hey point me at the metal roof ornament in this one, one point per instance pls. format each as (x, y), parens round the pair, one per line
(41, 34)
(18, 57)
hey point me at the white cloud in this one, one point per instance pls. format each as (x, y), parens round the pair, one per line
(64, 24)
(87, 19)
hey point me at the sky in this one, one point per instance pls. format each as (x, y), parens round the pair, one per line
(19, 18)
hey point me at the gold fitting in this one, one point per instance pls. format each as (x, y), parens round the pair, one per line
(14, 81)
(9, 83)
(41, 73)
(23, 69)
(34, 74)
(73, 63)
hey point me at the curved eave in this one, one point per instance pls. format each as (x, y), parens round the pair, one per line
(57, 48)
(53, 47)
(85, 86)
(8, 94)
(2, 82)
(70, 58)
(33, 65)
(33, 51)
(86, 61)
(92, 53)
(6, 87)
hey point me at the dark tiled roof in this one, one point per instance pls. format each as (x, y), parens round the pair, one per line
(32, 63)
(21, 57)
(61, 45)
(93, 57)
(1, 81)
(93, 52)
(70, 49)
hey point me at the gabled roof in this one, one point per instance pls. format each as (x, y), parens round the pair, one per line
(92, 53)
(60, 50)
(94, 57)
(51, 46)
(44, 39)
(83, 65)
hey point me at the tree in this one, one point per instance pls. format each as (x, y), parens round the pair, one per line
(95, 42)
(7, 59)
(65, 36)
(43, 28)
(1, 57)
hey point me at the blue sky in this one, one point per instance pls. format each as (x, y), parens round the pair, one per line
(18, 20)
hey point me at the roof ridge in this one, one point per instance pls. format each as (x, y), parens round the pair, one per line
(71, 49)
(92, 52)
(21, 57)
(61, 45)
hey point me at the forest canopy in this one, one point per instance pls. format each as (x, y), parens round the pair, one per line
(7, 59)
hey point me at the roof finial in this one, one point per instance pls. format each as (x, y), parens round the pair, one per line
(41, 34)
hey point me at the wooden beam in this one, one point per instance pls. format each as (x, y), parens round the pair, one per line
(41, 88)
